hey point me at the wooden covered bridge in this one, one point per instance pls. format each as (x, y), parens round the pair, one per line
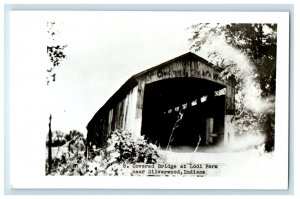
(150, 102)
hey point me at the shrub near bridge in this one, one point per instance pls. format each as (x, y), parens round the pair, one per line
(121, 148)
(124, 148)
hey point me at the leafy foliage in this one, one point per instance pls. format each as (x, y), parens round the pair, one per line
(122, 148)
(55, 53)
(73, 134)
(58, 139)
(258, 43)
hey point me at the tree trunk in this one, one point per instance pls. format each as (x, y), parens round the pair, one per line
(269, 130)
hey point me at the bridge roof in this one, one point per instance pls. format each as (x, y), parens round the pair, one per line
(189, 56)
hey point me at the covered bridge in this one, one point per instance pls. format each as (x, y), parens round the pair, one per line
(150, 102)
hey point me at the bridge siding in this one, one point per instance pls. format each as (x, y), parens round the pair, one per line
(127, 112)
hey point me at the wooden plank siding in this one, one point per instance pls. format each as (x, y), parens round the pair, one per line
(124, 109)
(122, 116)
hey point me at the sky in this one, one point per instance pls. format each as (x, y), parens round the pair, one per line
(104, 50)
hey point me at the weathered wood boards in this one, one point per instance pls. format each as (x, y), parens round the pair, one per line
(124, 110)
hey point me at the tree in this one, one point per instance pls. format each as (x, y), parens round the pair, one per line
(73, 134)
(58, 139)
(55, 52)
(76, 141)
(252, 61)
(56, 55)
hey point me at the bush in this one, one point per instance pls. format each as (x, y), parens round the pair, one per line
(121, 148)
(124, 148)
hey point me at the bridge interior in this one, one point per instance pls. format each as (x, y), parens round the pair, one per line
(197, 100)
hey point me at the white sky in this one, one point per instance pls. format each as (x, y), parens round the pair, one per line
(104, 50)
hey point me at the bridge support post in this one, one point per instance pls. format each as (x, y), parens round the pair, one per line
(209, 130)
(228, 130)
(139, 107)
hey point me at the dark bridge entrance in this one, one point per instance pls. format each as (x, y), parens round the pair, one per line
(201, 103)
(149, 103)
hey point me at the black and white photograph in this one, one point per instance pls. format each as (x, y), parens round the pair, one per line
(195, 97)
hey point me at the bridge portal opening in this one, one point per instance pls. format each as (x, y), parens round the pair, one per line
(201, 104)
